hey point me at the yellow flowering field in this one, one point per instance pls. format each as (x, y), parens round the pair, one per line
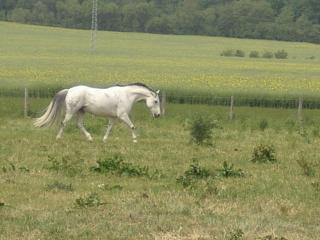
(41, 57)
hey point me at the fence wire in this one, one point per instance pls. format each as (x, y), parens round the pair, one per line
(269, 102)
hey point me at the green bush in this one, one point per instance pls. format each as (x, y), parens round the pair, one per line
(267, 54)
(116, 165)
(239, 53)
(235, 234)
(263, 124)
(227, 53)
(56, 185)
(229, 171)
(263, 154)
(66, 164)
(306, 166)
(254, 54)
(201, 130)
(281, 54)
(194, 173)
(92, 200)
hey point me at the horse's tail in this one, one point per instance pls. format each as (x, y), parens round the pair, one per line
(53, 110)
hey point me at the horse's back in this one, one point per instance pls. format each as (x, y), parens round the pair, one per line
(94, 100)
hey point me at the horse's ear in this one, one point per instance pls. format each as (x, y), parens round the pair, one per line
(158, 91)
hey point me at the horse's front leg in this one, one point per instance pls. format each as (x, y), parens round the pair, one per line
(125, 118)
(110, 124)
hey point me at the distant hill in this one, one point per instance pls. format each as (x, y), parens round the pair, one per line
(294, 20)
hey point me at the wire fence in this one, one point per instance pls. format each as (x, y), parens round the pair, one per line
(169, 97)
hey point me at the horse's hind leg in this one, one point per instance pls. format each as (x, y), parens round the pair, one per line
(80, 115)
(67, 117)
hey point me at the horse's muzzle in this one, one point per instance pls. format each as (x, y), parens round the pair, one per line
(156, 115)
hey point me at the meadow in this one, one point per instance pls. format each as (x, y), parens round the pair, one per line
(58, 190)
(46, 57)
(163, 187)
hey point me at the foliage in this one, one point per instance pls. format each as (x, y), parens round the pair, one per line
(66, 164)
(57, 185)
(239, 53)
(201, 130)
(116, 165)
(267, 54)
(263, 19)
(229, 171)
(91, 200)
(271, 237)
(316, 186)
(254, 54)
(194, 173)
(306, 166)
(281, 54)
(236, 234)
(10, 167)
(264, 153)
(227, 53)
(263, 124)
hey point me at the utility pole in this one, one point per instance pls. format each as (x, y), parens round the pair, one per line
(94, 25)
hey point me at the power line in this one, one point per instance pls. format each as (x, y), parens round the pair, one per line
(94, 24)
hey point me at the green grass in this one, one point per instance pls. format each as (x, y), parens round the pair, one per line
(270, 199)
(42, 57)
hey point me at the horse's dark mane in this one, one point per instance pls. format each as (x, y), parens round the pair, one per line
(136, 84)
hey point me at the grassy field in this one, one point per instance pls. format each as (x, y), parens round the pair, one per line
(42, 57)
(164, 187)
(49, 190)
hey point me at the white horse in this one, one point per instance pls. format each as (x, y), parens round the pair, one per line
(113, 102)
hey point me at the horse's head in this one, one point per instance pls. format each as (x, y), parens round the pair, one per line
(153, 103)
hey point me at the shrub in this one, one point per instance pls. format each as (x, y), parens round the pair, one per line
(228, 171)
(263, 124)
(116, 165)
(267, 54)
(201, 130)
(92, 200)
(194, 172)
(271, 237)
(239, 53)
(236, 234)
(66, 165)
(281, 54)
(311, 58)
(316, 186)
(263, 154)
(227, 53)
(306, 166)
(56, 185)
(254, 54)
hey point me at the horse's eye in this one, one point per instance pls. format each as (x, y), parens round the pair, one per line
(156, 102)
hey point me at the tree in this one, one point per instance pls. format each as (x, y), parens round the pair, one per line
(41, 14)
(20, 15)
(109, 16)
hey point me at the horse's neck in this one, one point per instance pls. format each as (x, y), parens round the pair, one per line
(138, 93)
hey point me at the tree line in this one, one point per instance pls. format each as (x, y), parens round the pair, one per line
(290, 20)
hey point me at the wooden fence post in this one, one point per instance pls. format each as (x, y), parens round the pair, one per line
(300, 106)
(231, 113)
(26, 102)
(163, 103)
